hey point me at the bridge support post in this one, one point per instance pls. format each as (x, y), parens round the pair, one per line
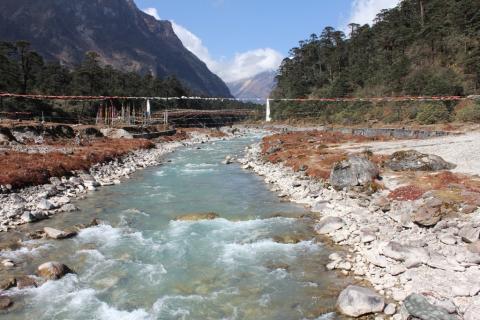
(267, 112)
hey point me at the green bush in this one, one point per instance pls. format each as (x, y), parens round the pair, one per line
(433, 113)
(470, 113)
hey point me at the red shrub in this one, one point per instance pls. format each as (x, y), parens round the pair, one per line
(406, 193)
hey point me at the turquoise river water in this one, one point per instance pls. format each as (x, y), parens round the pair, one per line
(141, 264)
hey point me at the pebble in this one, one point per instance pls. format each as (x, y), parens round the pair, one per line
(8, 263)
(390, 309)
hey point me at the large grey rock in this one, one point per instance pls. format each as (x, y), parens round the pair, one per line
(329, 224)
(320, 206)
(413, 256)
(474, 247)
(44, 204)
(53, 270)
(412, 160)
(429, 213)
(58, 234)
(469, 234)
(355, 171)
(116, 133)
(376, 259)
(32, 216)
(416, 306)
(472, 312)
(356, 301)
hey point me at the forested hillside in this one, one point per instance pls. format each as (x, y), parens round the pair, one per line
(23, 70)
(421, 47)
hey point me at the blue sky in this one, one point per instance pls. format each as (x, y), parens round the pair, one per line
(239, 38)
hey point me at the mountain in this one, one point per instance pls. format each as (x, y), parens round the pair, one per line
(124, 36)
(257, 87)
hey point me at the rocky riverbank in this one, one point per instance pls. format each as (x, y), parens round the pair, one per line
(40, 202)
(423, 264)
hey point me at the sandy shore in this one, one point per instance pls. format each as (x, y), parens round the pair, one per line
(396, 257)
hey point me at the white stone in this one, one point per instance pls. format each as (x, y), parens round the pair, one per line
(390, 309)
(356, 301)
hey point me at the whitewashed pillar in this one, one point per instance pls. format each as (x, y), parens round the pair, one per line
(268, 117)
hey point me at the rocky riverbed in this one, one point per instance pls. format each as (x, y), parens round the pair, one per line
(422, 263)
(40, 202)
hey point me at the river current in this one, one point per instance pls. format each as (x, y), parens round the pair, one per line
(257, 261)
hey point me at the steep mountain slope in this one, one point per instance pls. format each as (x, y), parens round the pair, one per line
(259, 87)
(124, 36)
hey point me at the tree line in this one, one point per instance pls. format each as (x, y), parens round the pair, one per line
(420, 47)
(23, 70)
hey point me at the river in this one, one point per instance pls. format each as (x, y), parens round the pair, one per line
(257, 261)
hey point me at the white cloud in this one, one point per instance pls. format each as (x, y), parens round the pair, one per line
(153, 12)
(365, 11)
(242, 65)
(193, 43)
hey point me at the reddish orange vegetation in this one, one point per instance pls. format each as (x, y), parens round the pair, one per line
(185, 133)
(310, 150)
(406, 193)
(22, 169)
(446, 185)
(180, 135)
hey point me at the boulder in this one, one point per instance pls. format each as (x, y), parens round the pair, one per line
(329, 224)
(228, 160)
(416, 306)
(116, 133)
(472, 312)
(53, 270)
(58, 234)
(5, 302)
(68, 208)
(26, 282)
(355, 171)
(320, 206)
(7, 283)
(429, 213)
(288, 239)
(412, 160)
(474, 247)
(32, 216)
(376, 259)
(197, 216)
(413, 256)
(44, 204)
(356, 301)
(469, 234)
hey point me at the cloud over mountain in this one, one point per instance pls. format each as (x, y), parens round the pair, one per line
(243, 65)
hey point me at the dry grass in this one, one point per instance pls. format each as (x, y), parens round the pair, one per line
(407, 193)
(448, 186)
(21, 169)
(310, 150)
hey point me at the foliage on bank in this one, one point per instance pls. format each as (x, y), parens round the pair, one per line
(417, 48)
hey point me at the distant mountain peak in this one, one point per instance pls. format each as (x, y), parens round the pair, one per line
(257, 87)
